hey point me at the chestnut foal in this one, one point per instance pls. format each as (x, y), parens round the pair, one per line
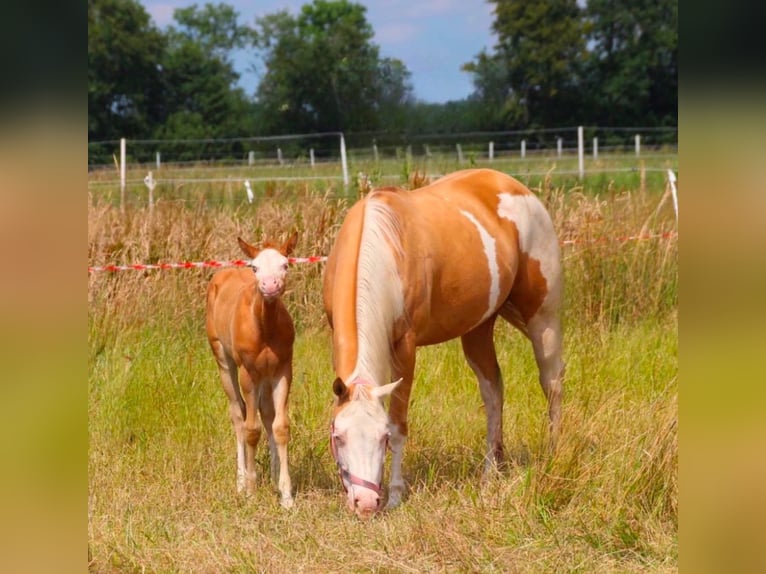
(251, 335)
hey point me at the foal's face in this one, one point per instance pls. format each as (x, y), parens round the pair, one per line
(270, 268)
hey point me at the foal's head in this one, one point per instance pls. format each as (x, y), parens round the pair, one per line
(359, 437)
(269, 263)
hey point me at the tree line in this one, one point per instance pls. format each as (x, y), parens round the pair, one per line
(555, 63)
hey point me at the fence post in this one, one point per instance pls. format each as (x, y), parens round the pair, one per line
(150, 184)
(580, 151)
(311, 157)
(375, 151)
(559, 146)
(491, 151)
(158, 160)
(638, 145)
(427, 150)
(250, 157)
(343, 160)
(595, 148)
(122, 173)
(523, 149)
(279, 156)
(459, 153)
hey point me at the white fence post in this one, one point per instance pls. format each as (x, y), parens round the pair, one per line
(311, 157)
(580, 151)
(343, 160)
(674, 192)
(459, 153)
(279, 156)
(375, 151)
(523, 148)
(595, 148)
(158, 160)
(150, 184)
(250, 158)
(559, 146)
(122, 173)
(491, 151)
(638, 145)
(427, 150)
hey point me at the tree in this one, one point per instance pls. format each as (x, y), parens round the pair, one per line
(200, 95)
(123, 73)
(541, 44)
(633, 65)
(322, 71)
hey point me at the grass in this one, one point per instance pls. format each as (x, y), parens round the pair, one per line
(161, 447)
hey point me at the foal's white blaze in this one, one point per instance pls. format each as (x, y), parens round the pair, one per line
(494, 273)
(270, 268)
(537, 237)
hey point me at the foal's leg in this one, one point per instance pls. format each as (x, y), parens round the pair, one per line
(479, 349)
(403, 366)
(273, 407)
(227, 368)
(250, 391)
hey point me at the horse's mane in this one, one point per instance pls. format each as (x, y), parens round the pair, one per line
(379, 299)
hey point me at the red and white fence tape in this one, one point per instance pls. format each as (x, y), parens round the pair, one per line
(194, 264)
(322, 258)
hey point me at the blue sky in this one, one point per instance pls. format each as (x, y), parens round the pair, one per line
(432, 37)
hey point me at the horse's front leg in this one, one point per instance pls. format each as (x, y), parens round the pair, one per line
(403, 366)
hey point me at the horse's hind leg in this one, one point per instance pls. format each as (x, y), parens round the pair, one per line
(544, 331)
(479, 350)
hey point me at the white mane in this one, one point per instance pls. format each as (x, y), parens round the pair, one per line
(379, 297)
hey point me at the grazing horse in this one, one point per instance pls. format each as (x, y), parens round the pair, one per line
(414, 268)
(251, 335)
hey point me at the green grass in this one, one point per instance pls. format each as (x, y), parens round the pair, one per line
(161, 492)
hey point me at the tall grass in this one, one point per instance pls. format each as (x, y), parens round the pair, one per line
(162, 491)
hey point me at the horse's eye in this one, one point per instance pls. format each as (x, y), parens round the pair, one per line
(339, 440)
(284, 266)
(255, 268)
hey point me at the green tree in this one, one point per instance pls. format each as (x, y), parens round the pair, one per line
(633, 65)
(322, 71)
(201, 98)
(541, 45)
(124, 86)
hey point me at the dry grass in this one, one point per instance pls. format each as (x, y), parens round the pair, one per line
(161, 456)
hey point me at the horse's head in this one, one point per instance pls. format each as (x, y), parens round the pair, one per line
(269, 263)
(358, 439)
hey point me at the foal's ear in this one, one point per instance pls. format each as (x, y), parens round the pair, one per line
(289, 245)
(385, 390)
(338, 387)
(250, 250)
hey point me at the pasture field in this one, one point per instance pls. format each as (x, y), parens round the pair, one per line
(161, 460)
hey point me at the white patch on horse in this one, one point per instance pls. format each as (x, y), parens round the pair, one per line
(494, 273)
(536, 235)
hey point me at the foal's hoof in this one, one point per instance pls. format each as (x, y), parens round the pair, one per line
(287, 502)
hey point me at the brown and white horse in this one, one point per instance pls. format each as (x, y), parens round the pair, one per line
(251, 335)
(413, 268)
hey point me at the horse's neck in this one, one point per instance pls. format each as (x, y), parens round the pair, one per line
(266, 315)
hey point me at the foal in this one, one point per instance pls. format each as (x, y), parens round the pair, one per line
(251, 335)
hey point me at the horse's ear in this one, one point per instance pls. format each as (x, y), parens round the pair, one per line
(289, 245)
(250, 250)
(385, 390)
(338, 387)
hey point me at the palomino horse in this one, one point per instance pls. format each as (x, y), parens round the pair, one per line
(413, 268)
(251, 335)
